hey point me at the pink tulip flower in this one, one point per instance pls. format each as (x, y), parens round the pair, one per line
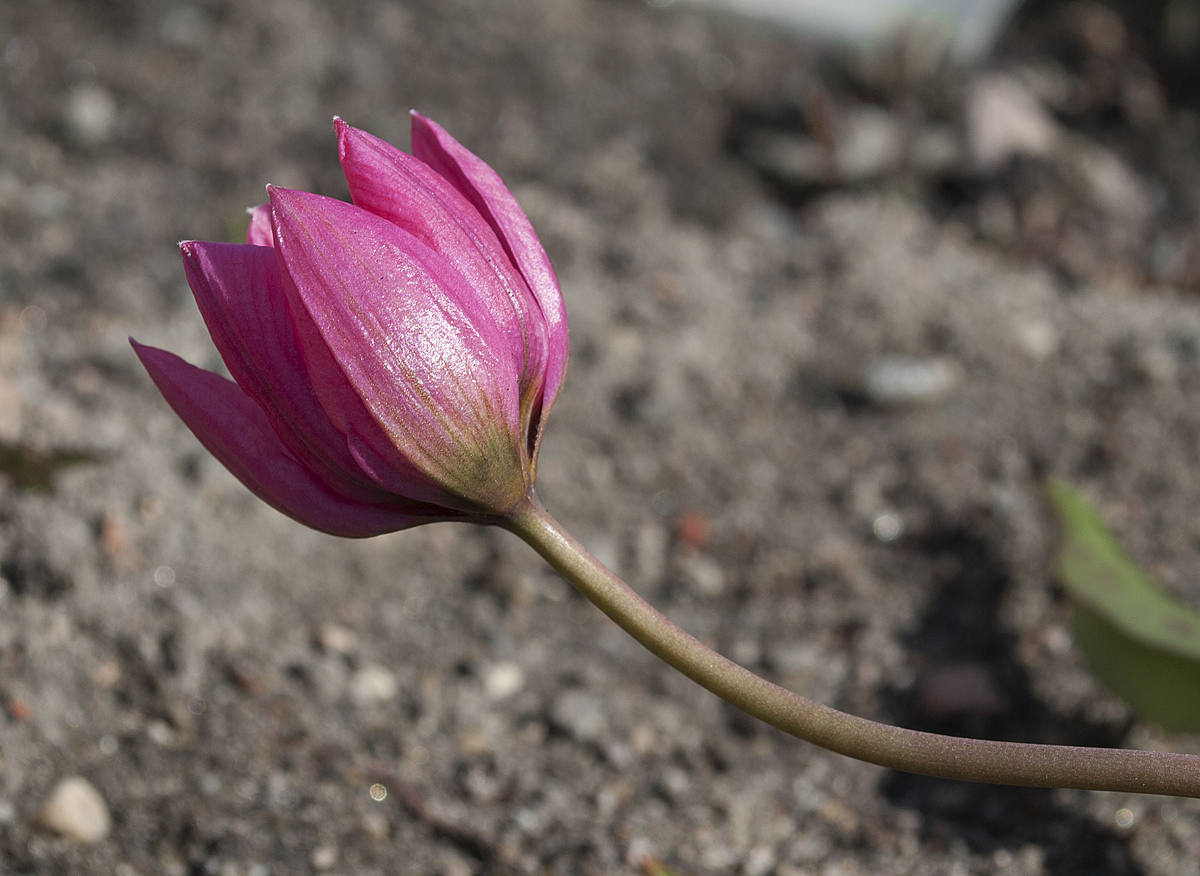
(394, 360)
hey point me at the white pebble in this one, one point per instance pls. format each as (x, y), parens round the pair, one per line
(579, 715)
(77, 811)
(91, 114)
(1038, 338)
(897, 380)
(337, 639)
(503, 679)
(703, 573)
(759, 862)
(372, 684)
(1005, 120)
(160, 733)
(323, 857)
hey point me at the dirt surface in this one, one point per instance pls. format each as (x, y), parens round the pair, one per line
(824, 348)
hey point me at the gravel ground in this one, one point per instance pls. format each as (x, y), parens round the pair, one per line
(831, 324)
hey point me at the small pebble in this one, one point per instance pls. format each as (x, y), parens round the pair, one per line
(44, 201)
(76, 811)
(372, 684)
(899, 380)
(1005, 120)
(651, 550)
(375, 824)
(91, 114)
(323, 857)
(1108, 182)
(160, 733)
(703, 573)
(870, 143)
(579, 715)
(693, 528)
(502, 680)
(759, 862)
(840, 815)
(114, 534)
(339, 640)
(1038, 338)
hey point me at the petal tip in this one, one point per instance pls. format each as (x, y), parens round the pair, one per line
(342, 129)
(345, 133)
(423, 123)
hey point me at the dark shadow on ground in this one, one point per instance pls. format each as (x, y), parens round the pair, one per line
(970, 684)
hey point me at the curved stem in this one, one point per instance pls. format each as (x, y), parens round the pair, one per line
(972, 760)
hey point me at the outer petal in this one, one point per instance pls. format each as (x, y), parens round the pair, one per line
(235, 430)
(240, 294)
(260, 233)
(412, 341)
(405, 191)
(483, 187)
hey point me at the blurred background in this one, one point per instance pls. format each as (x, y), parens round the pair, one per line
(844, 284)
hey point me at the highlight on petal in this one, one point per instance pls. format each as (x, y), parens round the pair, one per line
(413, 341)
(405, 191)
(240, 293)
(483, 187)
(260, 233)
(235, 430)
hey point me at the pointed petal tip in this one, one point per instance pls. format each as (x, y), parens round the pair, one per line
(345, 133)
(288, 204)
(150, 357)
(280, 201)
(275, 192)
(424, 126)
(342, 130)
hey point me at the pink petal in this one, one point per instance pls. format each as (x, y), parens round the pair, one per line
(483, 187)
(411, 340)
(260, 233)
(235, 430)
(406, 192)
(240, 294)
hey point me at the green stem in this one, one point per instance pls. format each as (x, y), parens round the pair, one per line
(972, 760)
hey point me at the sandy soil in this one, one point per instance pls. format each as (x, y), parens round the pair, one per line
(807, 414)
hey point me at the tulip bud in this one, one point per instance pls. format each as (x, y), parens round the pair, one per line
(393, 359)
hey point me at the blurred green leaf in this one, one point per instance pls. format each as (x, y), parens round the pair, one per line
(1139, 640)
(34, 470)
(236, 224)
